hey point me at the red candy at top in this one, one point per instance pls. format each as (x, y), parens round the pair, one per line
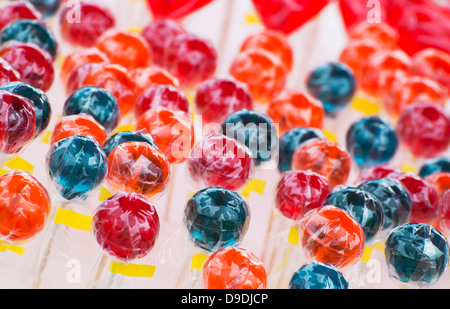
(19, 10)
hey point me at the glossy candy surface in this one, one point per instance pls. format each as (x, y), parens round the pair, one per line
(80, 57)
(315, 276)
(234, 268)
(436, 165)
(416, 254)
(380, 33)
(355, 55)
(126, 226)
(215, 218)
(432, 63)
(147, 77)
(441, 182)
(377, 171)
(80, 124)
(175, 8)
(371, 141)
(7, 72)
(24, 206)
(299, 192)
(126, 136)
(76, 165)
(18, 10)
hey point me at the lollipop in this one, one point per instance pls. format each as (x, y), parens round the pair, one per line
(313, 276)
(47, 7)
(234, 268)
(434, 64)
(333, 84)
(416, 254)
(216, 98)
(324, 157)
(82, 125)
(371, 141)
(94, 20)
(174, 9)
(444, 213)
(290, 140)
(440, 181)
(396, 200)
(332, 236)
(254, 130)
(298, 192)
(96, 102)
(80, 57)
(126, 136)
(126, 226)
(434, 166)
(361, 205)
(7, 72)
(42, 106)
(218, 160)
(216, 218)
(172, 131)
(377, 171)
(161, 95)
(262, 72)
(24, 206)
(424, 129)
(145, 78)
(191, 59)
(138, 167)
(355, 55)
(19, 10)
(292, 108)
(380, 33)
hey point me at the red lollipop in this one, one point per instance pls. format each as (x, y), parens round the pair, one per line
(7, 73)
(19, 10)
(377, 171)
(218, 160)
(444, 212)
(424, 129)
(80, 57)
(299, 192)
(146, 77)
(81, 124)
(126, 226)
(324, 157)
(381, 34)
(434, 64)
(175, 8)
(24, 206)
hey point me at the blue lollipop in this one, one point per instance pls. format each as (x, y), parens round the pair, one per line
(435, 165)
(77, 165)
(318, 276)
(254, 130)
(333, 84)
(30, 31)
(371, 141)
(47, 7)
(215, 218)
(416, 254)
(127, 136)
(42, 106)
(96, 102)
(362, 206)
(290, 140)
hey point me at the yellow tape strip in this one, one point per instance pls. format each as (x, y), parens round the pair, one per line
(124, 128)
(252, 18)
(198, 260)
(135, 29)
(20, 164)
(379, 246)
(365, 106)
(408, 168)
(60, 61)
(330, 135)
(189, 195)
(4, 246)
(3, 171)
(132, 270)
(46, 137)
(104, 194)
(294, 236)
(367, 254)
(73, 219)
(256, 185)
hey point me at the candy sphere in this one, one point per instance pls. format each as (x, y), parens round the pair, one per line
(174, 9)
(125, 48)
(76, 165)
(234, 268)
(145, 78)
(255, 130)
(216, 218)
(161, 95)
(7, 72)
(218, 160)
(42, 108)
(82, 125)
(318, 276)
(434, 64)
(395, 200)
(159, 33)
(361, 205)
(138, 167)
(355, 55)
(172, 131)
(444, 213)
(298, 192)
(331, 236)
(377, 171)
(18, 10)
(262, 72)
(380, 33)
(424, 129)
(440, 181)
(324, 157)
(24, 206)
(217, 98)
(47, 7)
(30, 31)
(292, 109)
(127, 136)
(86, 26)
(434, 166)
(96, 102)
(17, 122)
(34, 64)
(191, 59)
(126, 226)
(80, 57)
(371, 141)
(417, 254)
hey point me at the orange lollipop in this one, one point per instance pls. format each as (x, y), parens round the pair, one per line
(172, 131)
(432, 63)
(146, 77)
(292, 108)
(324, 157)
(355, 55)
(82, 125)
(80, 57)
(440, 181)
(380, 33)
(24, 206)
(138, 167)
(234, 268)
